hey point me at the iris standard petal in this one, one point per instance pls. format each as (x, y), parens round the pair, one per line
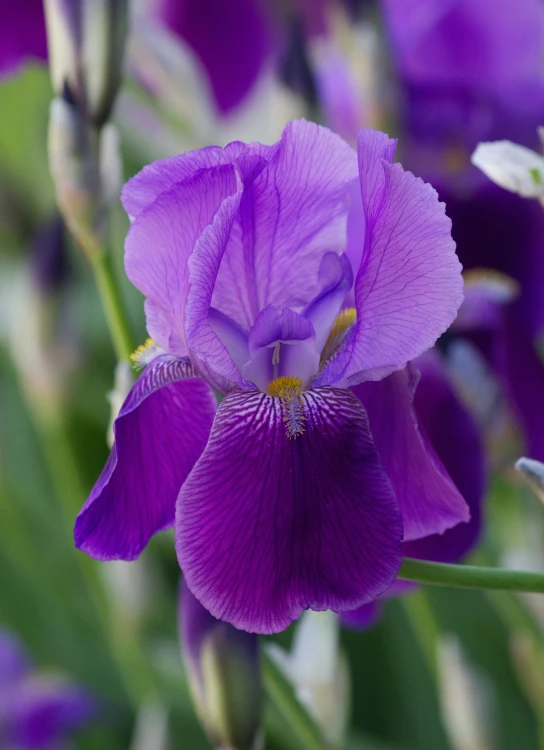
(290, 216)
(408, 286)
(267, 526)
(158, 177)
(335, 278)
(160, 432)
(199, 209)
(429, 500)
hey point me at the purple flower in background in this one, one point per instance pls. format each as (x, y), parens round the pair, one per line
(285, 503)
(457, 447)
(36, 712)
(22, 34)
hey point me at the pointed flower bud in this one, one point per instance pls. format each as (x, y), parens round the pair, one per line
(86, 44)
(75, 170)
(224, 675)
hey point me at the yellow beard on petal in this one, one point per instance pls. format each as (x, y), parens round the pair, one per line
(288, 390)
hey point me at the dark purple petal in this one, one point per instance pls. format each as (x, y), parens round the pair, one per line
(408, 286)
(461, 450)
(429, 501)
(292, 213)
(14, 662)
(22, 34)
(43, 712)
(267, 526)
(232, 41)
(160, 432)
(281, 344)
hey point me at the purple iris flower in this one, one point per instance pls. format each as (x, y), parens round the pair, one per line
(36, 712)
(285, 503)
(22, 34)
(456, 440)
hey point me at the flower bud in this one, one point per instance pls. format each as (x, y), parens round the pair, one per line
(75, 170)
(224, 676)
(86, 43)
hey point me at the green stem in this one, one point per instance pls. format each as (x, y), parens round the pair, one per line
(281, 693)
(112, 303)
(471, 576)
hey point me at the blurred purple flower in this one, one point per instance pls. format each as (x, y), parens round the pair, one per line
(284, 502)
(36, 712)
(470, 71)
(22, 34)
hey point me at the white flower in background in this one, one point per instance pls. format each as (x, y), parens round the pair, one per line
(513, 167)
(465, 698)
(318, 671)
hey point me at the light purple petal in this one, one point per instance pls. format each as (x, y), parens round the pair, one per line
(285, 337)
(363, 618)
(160, 432)
(290, 216)
(232, 41)
(158, 177)
(157, 251)
(267, 526)
(430, 502)
(408, 286)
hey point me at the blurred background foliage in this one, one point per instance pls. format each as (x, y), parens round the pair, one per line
(51, 595)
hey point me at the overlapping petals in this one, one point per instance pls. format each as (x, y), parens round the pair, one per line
(429, 500)
(267, 527)
(160, 432)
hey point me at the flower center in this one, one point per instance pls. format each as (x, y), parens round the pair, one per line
(289, 390)
(342, 323)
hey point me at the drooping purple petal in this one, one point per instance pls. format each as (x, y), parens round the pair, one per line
(408, 286)
(290, 216)
(281, 343)
(459, 445)
(160, 432)
(232, 41)
(430, 502)
(22, 34)
(267, 526)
